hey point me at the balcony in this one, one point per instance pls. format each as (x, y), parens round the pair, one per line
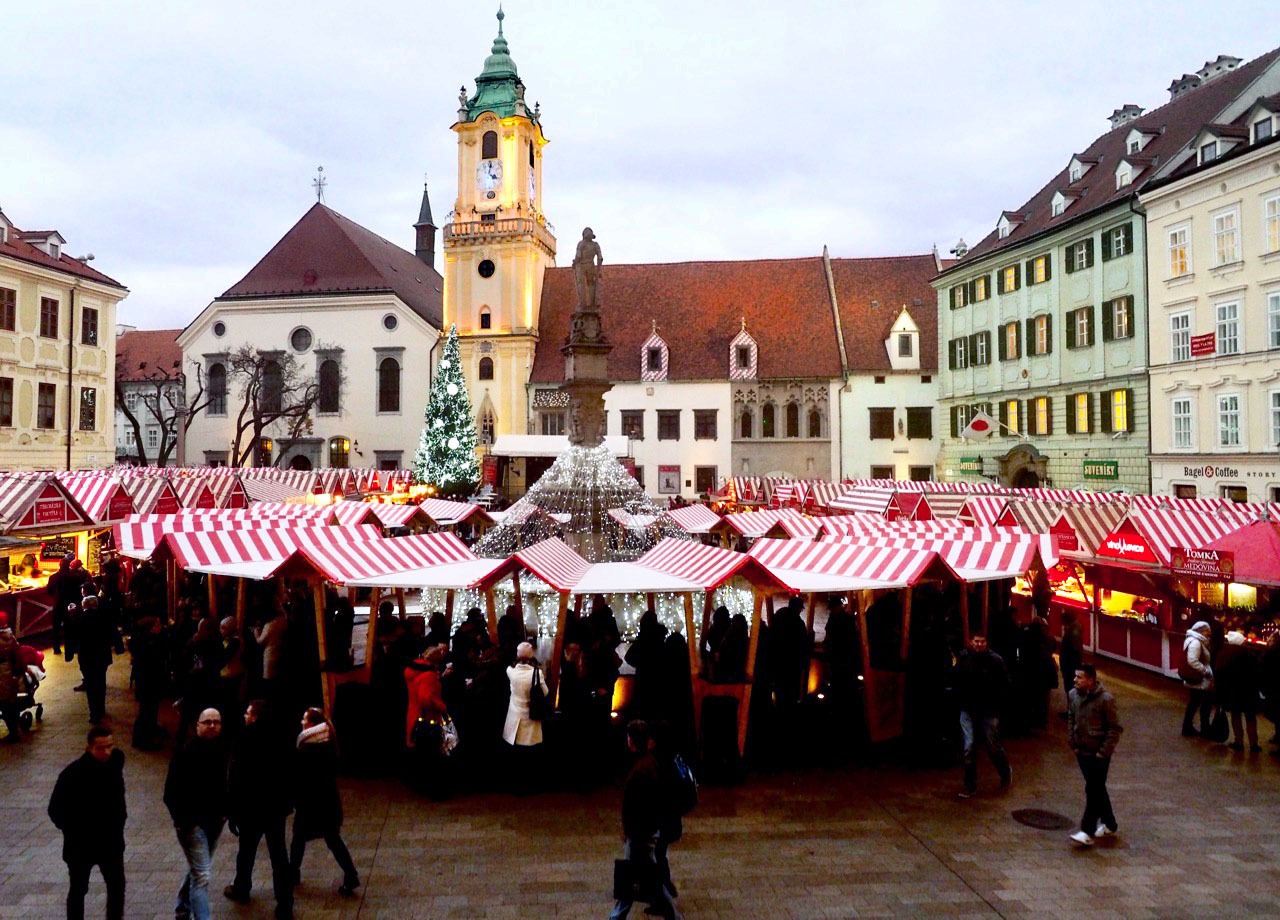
(471, 231)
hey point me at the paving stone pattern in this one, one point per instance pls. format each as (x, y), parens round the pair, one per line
(1199, 836)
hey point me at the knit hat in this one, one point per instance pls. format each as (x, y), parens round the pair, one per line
(1235, 637)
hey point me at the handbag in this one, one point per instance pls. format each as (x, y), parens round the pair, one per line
(1219, 730)
(540, 707)
(448, 737)
(632, 881)
(1189, 674)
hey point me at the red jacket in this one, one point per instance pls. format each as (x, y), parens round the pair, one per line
(425, 699)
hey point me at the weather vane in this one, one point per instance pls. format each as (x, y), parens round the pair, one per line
(318, 183)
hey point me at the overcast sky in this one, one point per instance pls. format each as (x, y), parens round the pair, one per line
(178, 141)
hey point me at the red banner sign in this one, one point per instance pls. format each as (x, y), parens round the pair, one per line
(166, 504)
(51, 511)
(1204, 345)
(489, 470)
(1209, 564)
(1066, 534)
(1127, 544)
(121, 506)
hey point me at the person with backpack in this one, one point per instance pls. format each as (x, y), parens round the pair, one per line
(679, 797)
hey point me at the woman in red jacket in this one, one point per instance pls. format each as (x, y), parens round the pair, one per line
(426, 702)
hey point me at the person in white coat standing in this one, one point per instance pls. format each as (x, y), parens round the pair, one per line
(1197, 674)
(520, 731)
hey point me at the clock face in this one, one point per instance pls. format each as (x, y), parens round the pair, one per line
(489, 174)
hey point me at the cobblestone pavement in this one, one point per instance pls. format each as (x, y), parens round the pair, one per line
(1199, 836)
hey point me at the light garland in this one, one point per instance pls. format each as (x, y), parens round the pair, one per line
(446, 456)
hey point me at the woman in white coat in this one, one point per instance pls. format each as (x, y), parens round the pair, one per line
(520, 731)
(1198, 678)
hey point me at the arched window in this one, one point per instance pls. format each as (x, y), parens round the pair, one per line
(745, 424)
(793, 420)
(487, 427)
(815, 423)
(330, 386)
(217, 390)
(768, 421)
(271, 392)
(486, 369)
(489, 145)
(339, 452)
(389, 385)
(486, 319)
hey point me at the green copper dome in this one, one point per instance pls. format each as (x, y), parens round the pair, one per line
(498, 88)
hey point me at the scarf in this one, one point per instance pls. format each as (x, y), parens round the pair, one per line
(316, 734)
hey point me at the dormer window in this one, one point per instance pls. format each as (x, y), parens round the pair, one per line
(1209, 152)
(1136, 141)
(1262, 129)
(1078, 167)
(1002, 230)
(654, 357)
(1124, 175)
(1135, 145)
(1058, 204)
(55, 251)
(744, 355)
(742, 360)
(1073, 175)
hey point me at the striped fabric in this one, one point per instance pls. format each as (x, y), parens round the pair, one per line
(707, 566)
(153, 494)
(340, 560)
(977, 559)
(554, 562)
(753, 524)
(194, 493)
(946, 504)
(695, 518)
(822, 494)
(268, 490)
(631, 521)
(140, 535)
(1148, 535)
(983, 509)
(203, 550)
(390, 515)
(445, 512)
(96, 493)
(1086, 526)
(22, 496)
(354, 513)
(805, 567)
(321, 514)
(864, 501)
(855, 526)
(1034, 516)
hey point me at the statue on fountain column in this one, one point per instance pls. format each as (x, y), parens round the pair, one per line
(586, 270)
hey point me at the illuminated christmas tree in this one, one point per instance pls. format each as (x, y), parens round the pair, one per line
(446, 456)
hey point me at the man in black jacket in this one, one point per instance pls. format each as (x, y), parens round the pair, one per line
(195, 792)
(88, 806)
(643, 808)
(259, 800)
(981, 684)
(98, 638)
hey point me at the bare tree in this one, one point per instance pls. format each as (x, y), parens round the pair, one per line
(277, 398)
(161, 399)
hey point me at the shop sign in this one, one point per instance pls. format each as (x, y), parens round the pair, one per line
(1211, 564)
(1068, 541)
(489, 470)
(1209, 471)
(121, 505)
(668, 480)
(57, 547)
(50, 511)
(166, 504)
(971, 464)
(1102, 469)
(1202, 346)
(1127, 544)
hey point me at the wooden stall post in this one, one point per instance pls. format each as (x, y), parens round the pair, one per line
(986, 606)
(964, 613)
(241, 589)
(371, 633)
(689, 634)
(808, 616)
(707, 609)
(211, 583)
(322, 641)
(402, 606)
(651, 601)
(744, 708)
(906, 623)
(171, 587)
(553, 669)
(519, 599)
(491, 609)
(768, 601)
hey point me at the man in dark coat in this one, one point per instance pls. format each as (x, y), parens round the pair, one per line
(260, 797)
(1093, 730)
(88, 806)
(981, 684)
(643, 809)
(63, 588)
(195, 792)
(98, 638)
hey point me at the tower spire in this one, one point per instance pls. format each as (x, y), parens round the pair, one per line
(425, 230)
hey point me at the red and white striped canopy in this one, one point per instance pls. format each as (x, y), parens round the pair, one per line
(817, 567)
(1034, 516)
(694, 518)
(390, 515)
(631, 521)
(1080, 529)
(706, 566)
(854, 526)
(38, 502)
(1148, 535)
(553, 561)
(822, 494)
(270, 490)
(194, 493)
(444, 512)
(979, 560)
(103, 497)
(253, 552)
(342, 561)
(865, 501)
(753, 524)
(153, 495)
(984, 510)
(354, 513)
(946, 504)
(139, 534)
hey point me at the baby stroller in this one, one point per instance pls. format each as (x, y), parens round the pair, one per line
(32, 660)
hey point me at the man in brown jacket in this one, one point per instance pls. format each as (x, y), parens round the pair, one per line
(1093, 729)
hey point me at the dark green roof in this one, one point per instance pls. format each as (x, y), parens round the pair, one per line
(498, 87)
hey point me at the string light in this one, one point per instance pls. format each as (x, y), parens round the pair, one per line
(446, 456)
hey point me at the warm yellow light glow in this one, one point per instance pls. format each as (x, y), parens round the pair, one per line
(1242, 596)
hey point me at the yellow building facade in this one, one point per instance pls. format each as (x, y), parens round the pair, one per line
(57, 355)
(497, 244)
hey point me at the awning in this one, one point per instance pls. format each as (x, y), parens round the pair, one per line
(343, 561)
(754, 524)
(864, 501)
(138, 535)
(975, 560)
(1257, 553)
(1148, 535)
(223, 552)
(694, 518)
(817, 567)
(103, 497)
(708, 567)
(450, 576)
(546, 445)
(444, 512)
(983, 509)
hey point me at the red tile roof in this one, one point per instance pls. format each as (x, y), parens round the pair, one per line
(1171, 127)
(891, 283)
(158, 348)
(16, 247)
(326, 253)
(699, 308)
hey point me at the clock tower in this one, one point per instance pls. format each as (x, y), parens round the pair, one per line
(497, 243)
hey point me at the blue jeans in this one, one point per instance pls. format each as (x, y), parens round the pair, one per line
(987, 730)
(198, 844)
(637, 850)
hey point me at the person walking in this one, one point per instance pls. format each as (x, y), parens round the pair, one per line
(642, 812)
(98, 638)
(1238, 684)
(259, 798)
(1198, 677)
(1070, 652)
(1093, 730)
(63, 588)
(88, 806)
(520, 731)
(318, 802)
(981, 684)
(195, 792)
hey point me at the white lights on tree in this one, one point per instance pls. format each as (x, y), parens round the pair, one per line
(446, 456)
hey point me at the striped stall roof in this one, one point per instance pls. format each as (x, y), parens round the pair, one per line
(1080, 529)
(269, 490)
(984, 509)
(948, 529)
(222, 551)
(977, 559)
(754, 524)
(340, 560)
(1034, 516)
(625, 518)
(810, 567)
(706, 566)
(38, 501)
(865, 501)
(946, 504)
(390, 515)
(445, 512)
(194, 493)
(554, 562)
(822, 494)
(354, 513)
(1147, 535)
(320, 514)
(695, 518)
(138, 536)
(153, 494)
(102, 496)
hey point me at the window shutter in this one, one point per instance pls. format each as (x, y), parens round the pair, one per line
(1048, 335)
(1108, 321)
(1128, 409)
(953, 297)
(1092, 324)
(1048, 417)
(1068, 262)
(986, 346)
(1017, 277)
(969, 289)
(1000, 282)
(1127, 232)
(1031, 271)
(1106, 412)
(1071, 413)
(1031, 336)
(1090, 400)
(1003, 344)
(1133, 314)
(955, 421)
(1071, 329)
(1106, 244)
(951, 355)
(1088, 253)
(1048, 265)
(973, 350)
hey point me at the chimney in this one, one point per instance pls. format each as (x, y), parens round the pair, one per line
(1125, 114)
(1184, 84)
(1223, 63)
(425, 232)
